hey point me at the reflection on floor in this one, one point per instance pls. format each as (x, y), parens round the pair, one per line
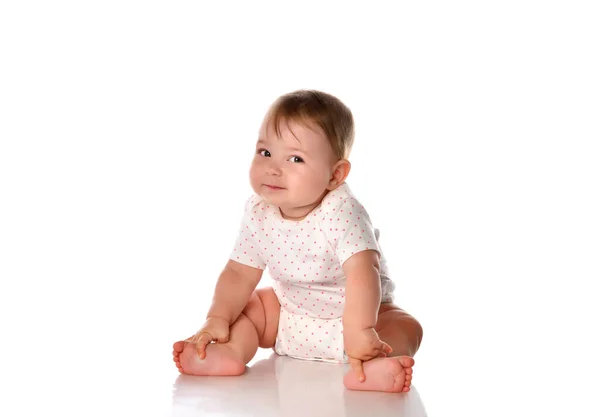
(285, 387)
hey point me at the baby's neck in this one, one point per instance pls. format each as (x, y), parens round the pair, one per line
(295, 216)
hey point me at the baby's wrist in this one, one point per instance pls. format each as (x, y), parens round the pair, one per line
(216, 317)
(352, 327)
(358, 322)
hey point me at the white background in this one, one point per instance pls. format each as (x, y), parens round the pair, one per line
(126, 133)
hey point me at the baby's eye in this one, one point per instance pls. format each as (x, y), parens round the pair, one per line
(264, 152)
(296, 159)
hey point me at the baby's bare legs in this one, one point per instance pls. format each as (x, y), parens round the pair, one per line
(394, 373)
(256, 326)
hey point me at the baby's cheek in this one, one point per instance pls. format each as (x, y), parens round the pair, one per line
(304, 188)
(254, 175)
(314, 185)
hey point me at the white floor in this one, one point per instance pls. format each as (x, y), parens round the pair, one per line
(282, 386)
(106, 373)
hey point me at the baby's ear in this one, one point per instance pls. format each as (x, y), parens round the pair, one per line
(340, 172)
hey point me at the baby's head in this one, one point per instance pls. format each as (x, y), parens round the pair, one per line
(302, 151)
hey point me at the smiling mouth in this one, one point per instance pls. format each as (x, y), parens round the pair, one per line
(273, 187)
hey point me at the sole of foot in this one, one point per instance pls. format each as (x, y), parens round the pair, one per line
(220, 360)
(384, 375)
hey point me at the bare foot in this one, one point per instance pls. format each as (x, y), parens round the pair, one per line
(383, 374)
(220, 360)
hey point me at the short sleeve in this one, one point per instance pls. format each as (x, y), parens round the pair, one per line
(246, 249)
(349, 230)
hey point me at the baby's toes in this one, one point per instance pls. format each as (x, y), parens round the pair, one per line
(176, 359)
(178, 346)
(408, 371)
(406, 361)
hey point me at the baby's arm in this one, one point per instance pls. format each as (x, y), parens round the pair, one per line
(363, 290)
(363, 297)
(233, 290)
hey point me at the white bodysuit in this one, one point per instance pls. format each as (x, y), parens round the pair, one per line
(305, 260)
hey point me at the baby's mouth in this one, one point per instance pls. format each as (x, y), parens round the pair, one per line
(274, 187)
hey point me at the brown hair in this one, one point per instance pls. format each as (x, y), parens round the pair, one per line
(315, 108)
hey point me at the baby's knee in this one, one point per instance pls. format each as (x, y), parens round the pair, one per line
(254, 310)
(263, 311)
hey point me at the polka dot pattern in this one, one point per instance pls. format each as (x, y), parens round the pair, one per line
(305, 260)
(309, 338)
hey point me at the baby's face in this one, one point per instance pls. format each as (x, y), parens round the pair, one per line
(292, 172)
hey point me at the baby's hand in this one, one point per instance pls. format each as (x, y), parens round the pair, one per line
(362, 345)
(215, 329)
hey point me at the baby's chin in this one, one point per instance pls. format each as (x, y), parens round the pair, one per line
(274, 201)
(281, 203)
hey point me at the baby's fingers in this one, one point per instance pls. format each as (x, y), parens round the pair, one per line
(381, 349)
(203, 340)
(357, 367)
(385, 348)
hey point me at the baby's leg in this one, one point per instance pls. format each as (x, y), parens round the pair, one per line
(256, 326)
(399, 329)
(392, 374)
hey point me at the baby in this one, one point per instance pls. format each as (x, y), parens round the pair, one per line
(331, 299)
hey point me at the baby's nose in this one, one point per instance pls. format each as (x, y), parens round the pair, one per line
(273, 169)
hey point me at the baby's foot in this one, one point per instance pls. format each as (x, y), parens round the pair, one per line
(383, 374)
(220, 360)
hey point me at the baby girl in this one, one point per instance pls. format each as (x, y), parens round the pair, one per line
(331, 299)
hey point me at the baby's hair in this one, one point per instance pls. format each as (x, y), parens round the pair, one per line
(315, 108)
